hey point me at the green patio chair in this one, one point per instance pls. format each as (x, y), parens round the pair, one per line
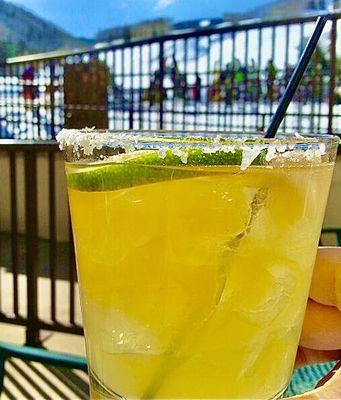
(43, 356)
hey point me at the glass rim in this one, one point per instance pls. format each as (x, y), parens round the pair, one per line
(91, 145)
(76, 137)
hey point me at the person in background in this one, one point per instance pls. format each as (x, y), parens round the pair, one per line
(29, 90)
(271, 75)
(196, 89)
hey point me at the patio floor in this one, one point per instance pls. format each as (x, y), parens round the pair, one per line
(33, 381)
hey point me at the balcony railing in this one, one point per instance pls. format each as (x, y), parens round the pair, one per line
(38, 286)
(226, 78)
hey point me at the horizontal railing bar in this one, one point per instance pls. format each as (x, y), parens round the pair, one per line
(75, 329)
(54, 326)
(29, 145)
(145, 109)
(171, 37)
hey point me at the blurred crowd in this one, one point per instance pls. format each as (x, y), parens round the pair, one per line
(237, 82)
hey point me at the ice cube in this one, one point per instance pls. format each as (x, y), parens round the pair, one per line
(202, 218)
(259, 289)
(119, 333)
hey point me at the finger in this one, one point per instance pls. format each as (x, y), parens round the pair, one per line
(308, 356)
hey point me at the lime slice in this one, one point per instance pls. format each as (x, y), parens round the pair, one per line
(145, 167)
(119, 176)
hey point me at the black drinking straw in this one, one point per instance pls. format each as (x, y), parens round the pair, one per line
(295, 78)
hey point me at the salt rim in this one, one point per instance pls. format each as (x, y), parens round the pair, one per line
(88, 139)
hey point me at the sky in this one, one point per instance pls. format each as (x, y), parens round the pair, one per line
(86, 17)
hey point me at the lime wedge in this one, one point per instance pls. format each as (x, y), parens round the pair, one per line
(119, 176)
(145, 167)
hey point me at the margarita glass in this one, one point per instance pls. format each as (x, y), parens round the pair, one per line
(195, 254)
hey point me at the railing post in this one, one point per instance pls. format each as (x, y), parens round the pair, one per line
(52, 76)
(161, 88)
(3, 72)
(131, 115)
(331, 101)
(131, 100)
(31, 224)
(262, 127)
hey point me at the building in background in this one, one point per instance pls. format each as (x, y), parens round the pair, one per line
(289, 8)
(277, 9)
(285, 9)
(197, 24)
(156, 27)
(144, 29)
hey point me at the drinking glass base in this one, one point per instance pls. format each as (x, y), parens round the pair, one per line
(99, 392)
(281, 394)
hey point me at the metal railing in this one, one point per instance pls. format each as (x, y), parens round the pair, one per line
(37, 276)
(224, 78)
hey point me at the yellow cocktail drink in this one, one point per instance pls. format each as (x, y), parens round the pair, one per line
(194, 277)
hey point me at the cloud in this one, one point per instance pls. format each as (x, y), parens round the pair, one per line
(162, 4)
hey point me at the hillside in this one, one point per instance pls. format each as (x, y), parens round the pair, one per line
(24, 32)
